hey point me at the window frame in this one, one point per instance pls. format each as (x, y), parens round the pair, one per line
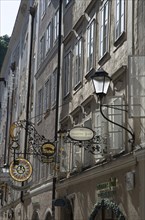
(48, 36)
(78, 62)
(56, 25)
(43, 8)
(47, 95)
(119, 18)
(107, 130)
(42, 49)
(40, 105)
(53, 87)
(67, 73)
(104, 35)
(90, 44)
(67, 2)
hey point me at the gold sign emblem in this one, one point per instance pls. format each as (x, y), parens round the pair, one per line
(20, 170)
(48, 149)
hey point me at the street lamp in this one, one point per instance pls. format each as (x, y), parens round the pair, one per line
(101, 82)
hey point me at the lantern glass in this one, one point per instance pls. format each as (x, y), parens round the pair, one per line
(101, 82)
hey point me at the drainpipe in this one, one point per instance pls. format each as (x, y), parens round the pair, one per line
(32, 13)
(57, 109)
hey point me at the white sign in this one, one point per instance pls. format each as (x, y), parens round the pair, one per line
(81, 134)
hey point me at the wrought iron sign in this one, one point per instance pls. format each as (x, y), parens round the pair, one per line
(38, 145)
(87, 138)
(20, 170)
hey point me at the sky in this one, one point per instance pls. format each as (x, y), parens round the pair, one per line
(8, 13)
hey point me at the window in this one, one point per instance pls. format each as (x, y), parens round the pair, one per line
(110, 136)
(66, 156)
(43, 7)
(136, 66)
(120, 18)
(116, 132)
(104, 29)
(48, 37)
(48, 2)
(53, 87)
(56, 25)
(78, 62)
(40, 104)
(42, 49)
(67, 73)
(90, 45)
(67, 2)
(47, 96)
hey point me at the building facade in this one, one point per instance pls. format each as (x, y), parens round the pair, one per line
(55, 49)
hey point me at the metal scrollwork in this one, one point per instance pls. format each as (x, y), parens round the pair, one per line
(97, 145)
(35, 141)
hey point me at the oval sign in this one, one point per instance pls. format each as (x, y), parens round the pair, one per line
(48, 149)
(81, 134)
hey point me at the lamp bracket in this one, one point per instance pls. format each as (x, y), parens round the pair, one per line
(132, 140)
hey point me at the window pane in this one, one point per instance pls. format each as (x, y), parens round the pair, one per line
(67, 69)
(90, 45)
(104, 30)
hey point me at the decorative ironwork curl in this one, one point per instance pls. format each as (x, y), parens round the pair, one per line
(94, 146)
(35, 140)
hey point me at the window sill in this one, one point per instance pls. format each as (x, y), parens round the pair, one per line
(104, 59)
(89, 74)
(53, 106)
(39, 122)
(46, 114)
(77, 86)
(120, 40)
(43, 15)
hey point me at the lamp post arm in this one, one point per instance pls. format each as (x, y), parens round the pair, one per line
(131, 133)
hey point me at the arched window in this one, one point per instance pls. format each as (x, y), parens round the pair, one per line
(48, 216)
(35, 216)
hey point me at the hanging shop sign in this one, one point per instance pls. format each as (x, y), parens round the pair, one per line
(81, 134)
(48, 149)
(20, 171)
(107, 189)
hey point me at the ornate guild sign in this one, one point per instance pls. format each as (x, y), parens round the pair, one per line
(48, 149)
(20, 170)
(81, 134)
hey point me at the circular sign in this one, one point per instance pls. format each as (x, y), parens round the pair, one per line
(48, 149)
(81, 134)
(20, 170)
